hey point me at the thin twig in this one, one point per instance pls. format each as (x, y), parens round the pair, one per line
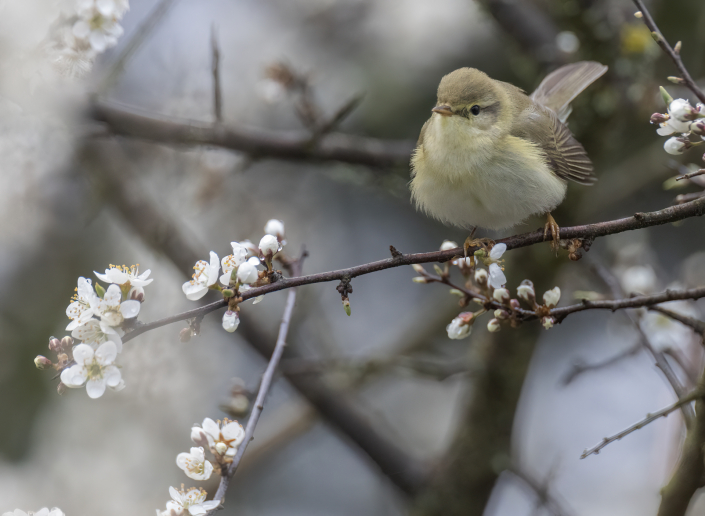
(689, 398)
(215, 67)
(692, 174)
(675, 56)
(138, 38)
(658, 356)
(694, 324)
(265, 384)
(581, 367)
(542, 492)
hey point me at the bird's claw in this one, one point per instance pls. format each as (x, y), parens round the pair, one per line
(555, 230)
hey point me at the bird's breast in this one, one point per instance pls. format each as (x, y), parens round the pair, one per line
(468, 177)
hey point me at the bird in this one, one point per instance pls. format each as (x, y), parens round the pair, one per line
(490, 155)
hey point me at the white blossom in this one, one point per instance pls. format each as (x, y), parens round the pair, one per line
(639, 279)
(551, 297)
(120, 275)
(232, 261)
(674, 146)
(95, 369)
(229, 433)
(205, 275)
(548, 322)
(497, 277)
(673, 126)
(96, 332)
(44, 511)
(112, 309)
(460, 327)
(98, 23)
(247, 272)
(80, 311)
(269, 246)
(192, 500)
(231, 320)
(447, 245)
(275, 227)
(526, 291)
(681, 110)
(195, 464)
(481, 276)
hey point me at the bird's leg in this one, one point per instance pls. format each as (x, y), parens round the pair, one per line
(484, 243)
(555, 230)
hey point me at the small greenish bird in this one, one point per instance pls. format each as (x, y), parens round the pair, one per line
(490, 155)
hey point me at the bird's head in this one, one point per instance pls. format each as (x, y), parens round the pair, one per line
(470, 99)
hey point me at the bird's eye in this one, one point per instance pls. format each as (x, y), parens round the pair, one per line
(475, 110)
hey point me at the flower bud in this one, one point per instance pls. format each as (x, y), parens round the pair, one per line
(514, 304)
(418, 268)
(66, 343)
(185, 335)
(674, 146)
(99, 290)
(698, 127)
(548, 322)
(460, 327)
(481, 277)
(227, 292)
(269, 246)
(551, 297)
(247, 273)
(526, 291)
(231, 320)
(346, 306)
(659, 118)
(493, 325)
(501, 295)
(54, 345)
(42, 362)
(198, 436)
(137, 294)
(447, 245)
(501, 314)
(221, 448)
(419, 279)
(275, 227)
(681, 110)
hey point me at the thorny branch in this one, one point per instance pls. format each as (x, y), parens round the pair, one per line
(670, 51)
(689, 398)
(265, 384)
(587, 232)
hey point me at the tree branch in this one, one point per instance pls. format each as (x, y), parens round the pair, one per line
(265, 384)
(695, 395)
(675, 56)
(255, 142)
(694, 324)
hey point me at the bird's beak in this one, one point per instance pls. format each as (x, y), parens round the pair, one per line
(443, 110)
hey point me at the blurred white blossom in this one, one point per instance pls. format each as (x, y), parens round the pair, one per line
(551, 297)
(229, 433)
(269, 246)
(121, 275)
(275, 227)
(231, 320)
(96, 332)
(191, 500)
(460, 327)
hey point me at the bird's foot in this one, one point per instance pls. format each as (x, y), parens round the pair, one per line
(555, 230)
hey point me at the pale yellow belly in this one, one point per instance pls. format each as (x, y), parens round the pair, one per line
(468, 189)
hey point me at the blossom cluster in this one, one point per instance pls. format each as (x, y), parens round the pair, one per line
(239, 271)
(44, 511)
(683, 120)
(221, 439)
(89, 29)
(97, 315)
(486, 285)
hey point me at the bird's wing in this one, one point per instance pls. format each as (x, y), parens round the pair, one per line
(560, 87)
(564, 154)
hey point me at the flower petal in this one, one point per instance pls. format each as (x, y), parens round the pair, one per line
(497, 251)
(497, 278)
(112, 376)
(130, 308)
(194, 291)
(82, 353)
(95, 387)
(106, 353)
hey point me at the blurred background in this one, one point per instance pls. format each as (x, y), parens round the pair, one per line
(363, 401)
